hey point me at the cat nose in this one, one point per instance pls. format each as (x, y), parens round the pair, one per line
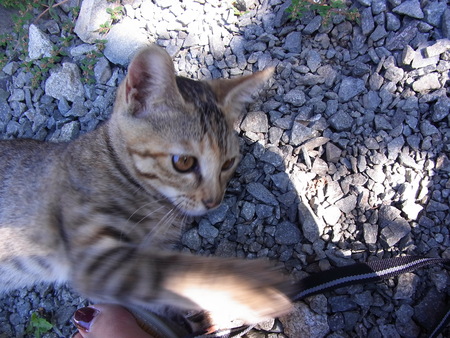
(210, 203)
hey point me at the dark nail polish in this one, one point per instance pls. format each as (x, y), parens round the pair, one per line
(83, 318)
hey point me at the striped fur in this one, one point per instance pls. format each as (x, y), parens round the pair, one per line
(102, 212)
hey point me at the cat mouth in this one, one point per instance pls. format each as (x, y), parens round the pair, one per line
(188, 206)
(193, 207)
(198, 210)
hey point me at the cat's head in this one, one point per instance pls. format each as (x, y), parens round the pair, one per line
(177, 134)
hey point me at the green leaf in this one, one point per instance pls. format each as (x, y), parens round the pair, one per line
(38, 325)
(337, 4)
(325, 8)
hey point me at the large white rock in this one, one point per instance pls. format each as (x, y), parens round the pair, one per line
(92, 15)
(39, 44)
(65, 83)
(124, 39)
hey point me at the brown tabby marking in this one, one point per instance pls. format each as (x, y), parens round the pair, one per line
(103, 211)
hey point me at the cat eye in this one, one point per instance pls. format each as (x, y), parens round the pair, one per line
(184, 163)
(228, 164)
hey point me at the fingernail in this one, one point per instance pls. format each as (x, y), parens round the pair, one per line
(83, 318)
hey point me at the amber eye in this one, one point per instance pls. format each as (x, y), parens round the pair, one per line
(184, 163)
(228, 164)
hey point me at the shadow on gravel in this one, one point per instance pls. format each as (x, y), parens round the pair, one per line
(374, 187)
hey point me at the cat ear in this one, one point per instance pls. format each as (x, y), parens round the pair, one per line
(150, 79)
(233, 94)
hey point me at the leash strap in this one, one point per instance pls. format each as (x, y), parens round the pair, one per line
(357, 273)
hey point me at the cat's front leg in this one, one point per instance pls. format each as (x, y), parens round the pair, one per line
(226, 288)
(231, 289)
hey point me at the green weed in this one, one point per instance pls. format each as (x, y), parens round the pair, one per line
(87, 66)
(104, 28)
(101, 44)
(38, 325)
(40, 68)
(325, 8)
(15, 45)
(238, 8)
(115, 14)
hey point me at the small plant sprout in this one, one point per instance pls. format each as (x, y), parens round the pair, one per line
(325, 8)
(38, 325)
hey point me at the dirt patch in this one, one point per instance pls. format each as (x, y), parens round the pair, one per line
(6, 21)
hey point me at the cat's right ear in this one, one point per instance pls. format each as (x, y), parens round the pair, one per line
(150, 79)
(233, 94)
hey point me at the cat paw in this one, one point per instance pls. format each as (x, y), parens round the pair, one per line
(230, 290)
(237, 305)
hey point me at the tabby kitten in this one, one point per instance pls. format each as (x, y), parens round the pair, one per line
(103, 211)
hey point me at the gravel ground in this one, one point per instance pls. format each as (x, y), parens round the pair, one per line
(345, 155)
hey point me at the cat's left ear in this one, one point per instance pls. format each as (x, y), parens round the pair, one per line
(150, 80)
(233, 94)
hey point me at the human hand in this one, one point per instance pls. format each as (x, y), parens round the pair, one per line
(106, 321)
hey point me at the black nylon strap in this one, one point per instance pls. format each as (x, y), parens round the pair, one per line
(358, 273)
(445, 320)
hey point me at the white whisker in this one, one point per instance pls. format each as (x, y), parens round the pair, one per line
(127, 230)
(150, 214)
(144, 206)
(166, 222)
(159, 228)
